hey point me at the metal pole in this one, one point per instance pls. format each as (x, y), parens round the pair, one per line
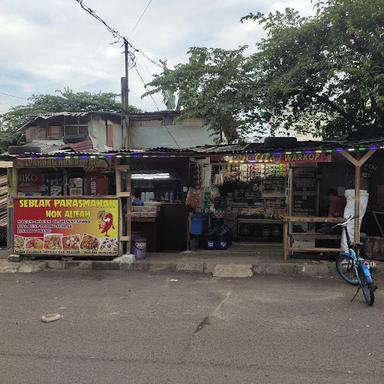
(125, 98)
(125, 139)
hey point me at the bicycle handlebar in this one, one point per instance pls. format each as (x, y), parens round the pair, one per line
(350, 218)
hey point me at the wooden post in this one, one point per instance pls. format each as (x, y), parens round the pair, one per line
(129, 211)
(124, 195)
(13, 186)
(15, 181)
(357, 204)
(358, 163)
(285, 240)
(118, 191)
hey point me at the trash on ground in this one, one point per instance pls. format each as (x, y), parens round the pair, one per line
(125, 259)
(50, 317)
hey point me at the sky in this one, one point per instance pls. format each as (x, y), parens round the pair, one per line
(47, 45)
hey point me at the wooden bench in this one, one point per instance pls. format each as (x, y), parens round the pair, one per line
(289, 236)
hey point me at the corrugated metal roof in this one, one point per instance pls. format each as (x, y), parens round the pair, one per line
(213, 149)
(81, 146)
(115, 116)
(300, 145)
(58, 115)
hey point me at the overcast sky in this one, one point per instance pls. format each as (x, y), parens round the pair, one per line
(47, 45)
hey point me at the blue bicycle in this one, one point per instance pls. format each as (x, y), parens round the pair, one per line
(354, 269)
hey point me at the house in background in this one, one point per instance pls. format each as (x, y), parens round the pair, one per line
(101, 131)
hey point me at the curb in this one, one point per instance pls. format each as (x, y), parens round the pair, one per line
(221, 270)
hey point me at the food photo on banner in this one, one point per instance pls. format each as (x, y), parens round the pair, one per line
(66, 226)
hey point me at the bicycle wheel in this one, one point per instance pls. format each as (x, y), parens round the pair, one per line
(368, 291)
(346, 270)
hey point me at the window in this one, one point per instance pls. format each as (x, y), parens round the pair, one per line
(83, 130)
(54, 133)
(74, 130)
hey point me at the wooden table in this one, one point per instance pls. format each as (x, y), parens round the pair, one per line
(288, 236)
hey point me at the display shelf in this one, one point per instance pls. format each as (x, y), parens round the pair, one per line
(258, 239)
(241, 220)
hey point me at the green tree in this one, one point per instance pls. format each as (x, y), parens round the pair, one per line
(325, 73)
(322, 74)
(213, 85)
(64, 101)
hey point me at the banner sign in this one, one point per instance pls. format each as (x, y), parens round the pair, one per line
(61, 163)
(284, 158)
(66, 226)
(314, 157)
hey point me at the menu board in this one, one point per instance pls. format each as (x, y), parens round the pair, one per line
(304, 191)
(66, 226)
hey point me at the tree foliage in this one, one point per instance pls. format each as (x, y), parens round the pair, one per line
(322, 74)
(64, 101)
(213, 84)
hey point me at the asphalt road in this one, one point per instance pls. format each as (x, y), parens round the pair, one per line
(122, 327)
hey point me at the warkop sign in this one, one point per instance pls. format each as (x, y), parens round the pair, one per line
(66, 226)
(313, 157)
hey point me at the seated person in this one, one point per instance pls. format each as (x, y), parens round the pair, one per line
(335, 209)
(336, 204)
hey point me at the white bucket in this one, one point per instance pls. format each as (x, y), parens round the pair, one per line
(349, 210)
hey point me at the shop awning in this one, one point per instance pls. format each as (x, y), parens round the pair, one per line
(305, 147)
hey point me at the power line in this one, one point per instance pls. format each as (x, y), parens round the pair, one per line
(149, 59)
(16, 97)
(145, 67)
(140, 17)
(116, 34)
(154, 102)
(145, 86)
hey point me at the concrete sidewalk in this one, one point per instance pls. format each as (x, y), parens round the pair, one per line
(238, 261)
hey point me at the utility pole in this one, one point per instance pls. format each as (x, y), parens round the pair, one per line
(125, 134)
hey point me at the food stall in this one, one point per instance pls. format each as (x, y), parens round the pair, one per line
(160, 184)
(249, 189)
(65, 206)
(260, 189)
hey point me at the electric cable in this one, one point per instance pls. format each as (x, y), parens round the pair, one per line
(140, 17)
(115, 33)
(16, 97)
